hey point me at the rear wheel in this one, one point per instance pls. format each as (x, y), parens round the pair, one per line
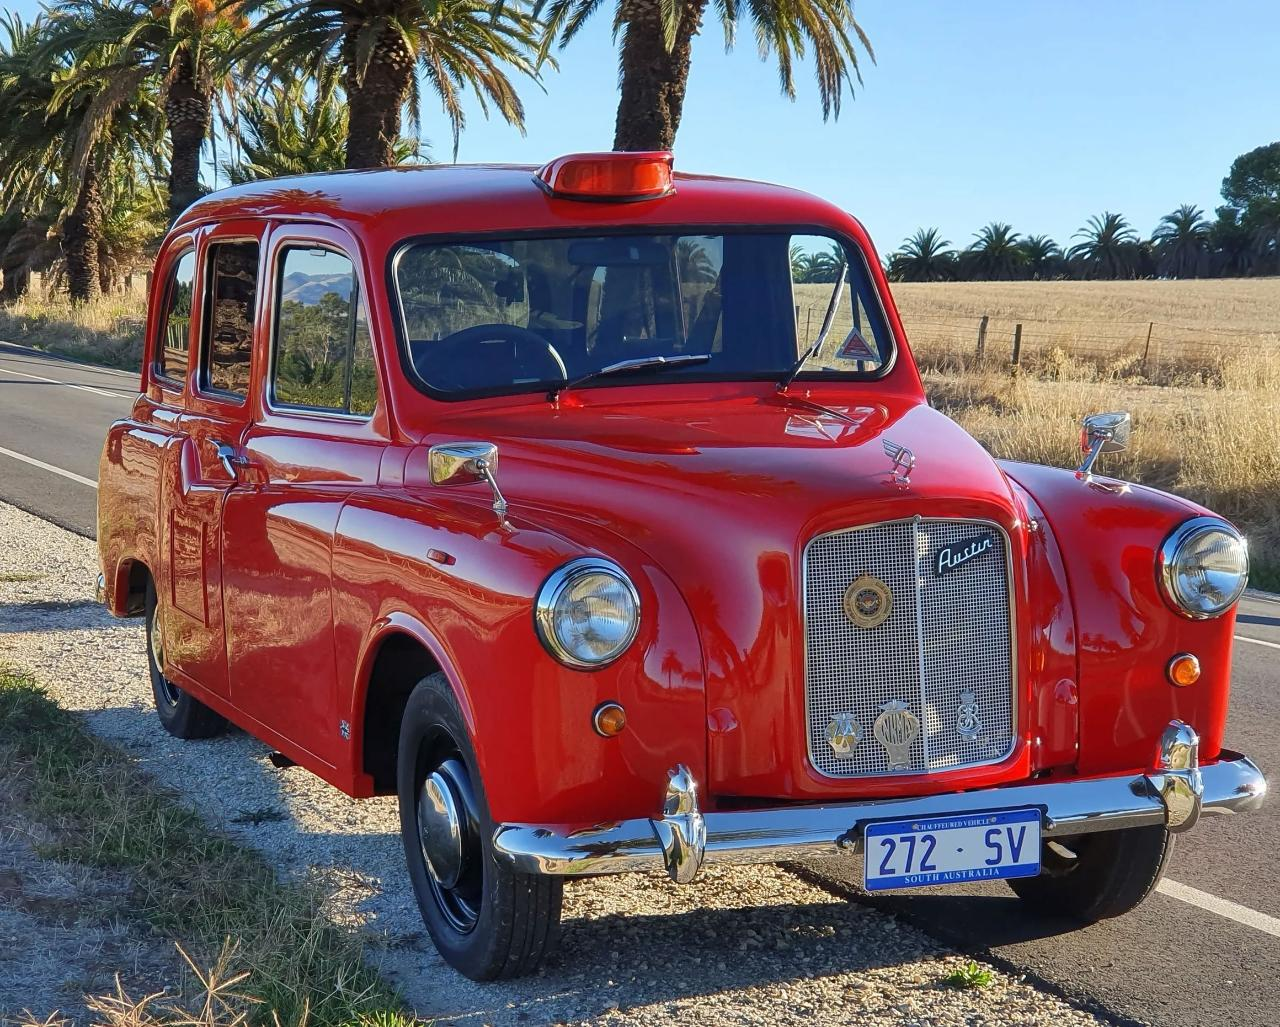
(1092, 877)
(486, 921)
(182, 715)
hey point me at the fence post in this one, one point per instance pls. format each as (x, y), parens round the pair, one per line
(982, 336)
(1146, 350)
(1017, 344)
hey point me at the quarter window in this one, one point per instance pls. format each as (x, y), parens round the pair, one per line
(323, 351)
(228, 335)
(175, 328)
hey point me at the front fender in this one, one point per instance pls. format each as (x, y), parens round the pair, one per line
(471, 604)
(1126, 631)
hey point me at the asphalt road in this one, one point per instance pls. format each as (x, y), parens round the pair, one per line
(1172, 963)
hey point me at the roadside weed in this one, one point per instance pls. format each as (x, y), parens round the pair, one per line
(968, 976)
(271, 956)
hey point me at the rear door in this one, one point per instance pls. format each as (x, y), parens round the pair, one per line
(205, 466)
(318, 436)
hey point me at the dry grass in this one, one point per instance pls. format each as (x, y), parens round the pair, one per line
(272, 955)
(1194, 325)
(106, 331)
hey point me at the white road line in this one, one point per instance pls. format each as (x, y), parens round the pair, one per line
(59, 381)
(1258, 641)
(48, 358)
(1223, 907)
(49, 467)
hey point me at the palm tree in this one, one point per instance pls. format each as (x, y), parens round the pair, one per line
(1109, 249)
(819, 267)
(656, 52)
(1181, 242)
(297, 127)
(185, 45)
(1041, 256)
(459, 46)
(996, 255)
(693, 263)
(71, 118)
(924, 257)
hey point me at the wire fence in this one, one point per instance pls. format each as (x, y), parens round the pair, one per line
(1152, 345)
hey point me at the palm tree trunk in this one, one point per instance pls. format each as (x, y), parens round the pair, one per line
(81, 233)
(653, 80)
(376, 99)
(188, 111)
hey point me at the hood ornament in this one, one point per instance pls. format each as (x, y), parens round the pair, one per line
(904, 461)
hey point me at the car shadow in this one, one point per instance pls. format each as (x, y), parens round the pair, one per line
(1256, 618)
(55, 615)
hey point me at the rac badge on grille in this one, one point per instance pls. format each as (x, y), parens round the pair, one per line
(955, 555)
(896, 729)
(868, 602)
(843, 734)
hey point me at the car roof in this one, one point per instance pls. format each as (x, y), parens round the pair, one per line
(457, 198)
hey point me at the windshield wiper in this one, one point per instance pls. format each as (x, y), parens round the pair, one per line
(624, 366)
(812, 351)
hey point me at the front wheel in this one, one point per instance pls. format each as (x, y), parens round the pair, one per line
(1093, 877)
(487, 921)
(182, 715)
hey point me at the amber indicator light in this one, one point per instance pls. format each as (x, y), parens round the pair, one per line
(609, 176)
(1184, 670)
(609, 719)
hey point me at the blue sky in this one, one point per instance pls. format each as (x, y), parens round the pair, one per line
(1031, 112)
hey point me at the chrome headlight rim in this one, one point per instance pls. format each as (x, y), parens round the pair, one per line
(1167, 563)
(554, 587)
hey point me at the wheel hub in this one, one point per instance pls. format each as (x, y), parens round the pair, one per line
(440, 829)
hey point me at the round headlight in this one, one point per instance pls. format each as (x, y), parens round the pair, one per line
(587, 613)
(1204, 566)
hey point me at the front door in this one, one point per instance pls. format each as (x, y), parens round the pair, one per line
(203, 467)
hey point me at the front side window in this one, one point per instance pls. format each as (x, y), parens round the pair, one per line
(232, 286)
(323, 356)
(175, 326)
(524, 314)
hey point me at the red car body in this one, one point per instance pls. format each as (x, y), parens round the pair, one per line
(305, 590)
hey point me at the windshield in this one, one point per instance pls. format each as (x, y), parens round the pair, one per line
(519, 315)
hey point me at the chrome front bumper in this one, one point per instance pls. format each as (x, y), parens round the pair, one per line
(1174, 794)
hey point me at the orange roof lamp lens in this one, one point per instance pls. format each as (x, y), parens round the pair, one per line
(608, 176)
(1184, 670)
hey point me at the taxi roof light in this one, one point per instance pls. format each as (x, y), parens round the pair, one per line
(609, 176)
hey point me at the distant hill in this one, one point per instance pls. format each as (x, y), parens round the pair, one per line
(308, 289)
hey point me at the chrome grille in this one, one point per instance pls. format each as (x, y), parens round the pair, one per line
(946, 636)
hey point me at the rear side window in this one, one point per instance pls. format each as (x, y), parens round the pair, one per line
(175, 326)
(323, 356)
(228, 325)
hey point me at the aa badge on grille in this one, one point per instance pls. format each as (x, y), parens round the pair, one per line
(896, 729)
(843, 734)
(868, 602)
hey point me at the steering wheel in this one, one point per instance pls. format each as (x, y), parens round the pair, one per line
(463, 354)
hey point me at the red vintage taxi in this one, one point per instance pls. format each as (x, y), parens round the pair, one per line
(599, 513)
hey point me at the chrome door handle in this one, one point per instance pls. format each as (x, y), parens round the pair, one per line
(230, 461)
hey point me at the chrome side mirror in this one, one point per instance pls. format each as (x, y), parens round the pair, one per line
(1103, 433)
(466, 463)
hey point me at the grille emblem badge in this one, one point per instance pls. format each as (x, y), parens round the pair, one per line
(896, 729)
(843, 734)
(968, 723)
(868, 602)
(957, 554)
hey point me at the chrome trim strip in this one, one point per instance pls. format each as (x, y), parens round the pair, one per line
(1233, 785)
(920, 660)
(1015, 670)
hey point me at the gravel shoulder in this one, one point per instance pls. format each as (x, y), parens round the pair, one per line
(742, 946)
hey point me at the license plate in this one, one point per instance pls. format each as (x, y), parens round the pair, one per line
(951, 850)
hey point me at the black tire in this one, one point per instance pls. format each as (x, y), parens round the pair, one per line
(1110, 874)
(487, 921)
(182, 715)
